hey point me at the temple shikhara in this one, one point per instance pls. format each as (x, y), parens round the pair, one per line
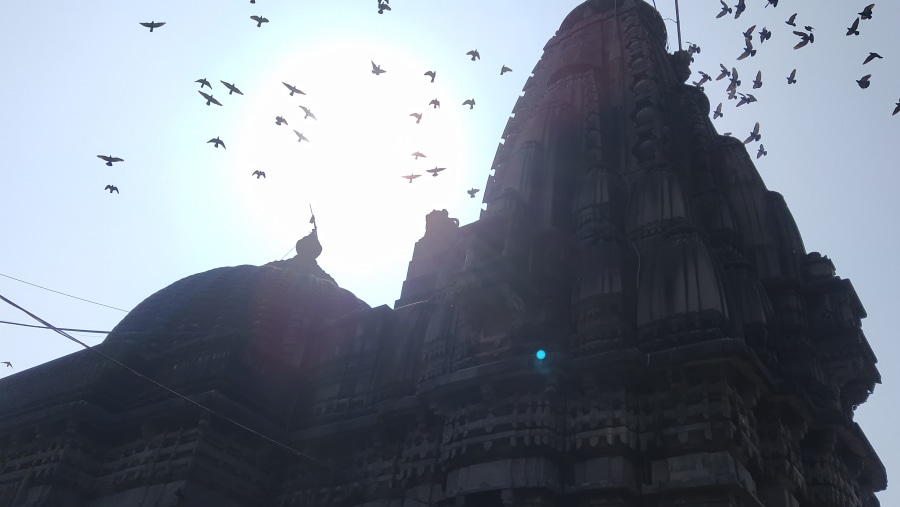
(694, 353)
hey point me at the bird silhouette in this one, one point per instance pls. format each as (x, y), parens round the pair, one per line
(432, 74)
(111, 188)
(8, 364)
(474, 54)
(153, 24)
(418, 154)
(871, 57)
(376, 69)
(791, 19)
(472, 191)
(748, 34)
(754, 134)
(746, 99)
(301, 137)
(293, 89)
(805, 38)
(470, 103)
(435, 103)
(764, 35)
(773, 3)
(854, 28)
(757, 83)
(726, 9)
(704, 78)
(411, 177)
(865, 14)
(504, 69)
(259, 174)
(259, 20)
(735, 80)
(110, 159)
(792, 78)
(761, 152)
(435, 171)
(739, 8)
(231, 88)
(718, 112)
(203, 82)
(209, 99)
(216, 142)
(383, 6)
(864, 81)
(724, 73)
(808, 28)
(279, 120)
(748, 50)
(417, 116)
(308, 113)
(896, 109)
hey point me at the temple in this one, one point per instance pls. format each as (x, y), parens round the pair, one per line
(694, 353)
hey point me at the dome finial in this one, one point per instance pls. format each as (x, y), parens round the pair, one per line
(308, 247)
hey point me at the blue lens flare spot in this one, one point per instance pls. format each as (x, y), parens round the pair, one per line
(541, 354)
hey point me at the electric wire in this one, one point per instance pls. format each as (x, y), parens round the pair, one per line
(63, 293)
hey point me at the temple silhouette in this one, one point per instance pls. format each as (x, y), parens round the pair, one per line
(694, 353)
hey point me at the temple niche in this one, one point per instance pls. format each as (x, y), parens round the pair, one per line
(694, 352)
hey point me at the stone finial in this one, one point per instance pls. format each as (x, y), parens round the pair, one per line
(308, 247)
(438, 221)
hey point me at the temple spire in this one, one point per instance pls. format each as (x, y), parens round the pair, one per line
(308, 247)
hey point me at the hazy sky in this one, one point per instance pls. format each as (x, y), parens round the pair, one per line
(81, 81)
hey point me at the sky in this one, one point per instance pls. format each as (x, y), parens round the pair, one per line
(84, 82)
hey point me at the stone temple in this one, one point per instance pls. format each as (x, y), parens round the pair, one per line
(696, 354)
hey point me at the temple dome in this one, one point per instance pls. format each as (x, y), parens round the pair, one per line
(592, 8)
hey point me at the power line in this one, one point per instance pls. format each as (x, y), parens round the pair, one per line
(63, 293)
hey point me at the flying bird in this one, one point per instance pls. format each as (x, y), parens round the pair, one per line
(293, 89)
(258, 174)
(216, 142)
(417, 116)
(153, 24)
(435, 103)
(792, 78)
(726, 9)
(761, 152)
(209, 99)
(854, 28)
(757, 83)
(474, 54)
(718, 112)
(418, 154)
(504, 69)
(376, 69)
(411, 177)
(8, 364)
(773, 3)
(748, 35)
(739, 8)
(472, 191)
(435, 171)
(896, 109)
(259, 20)
(725, 73)
(301, 137)
(865, 14)
(383, 6)
(203, 82)
(231, 88)
(111, 188)
(431, 74)
(705, 77)
(805, 38)
(746, 99)
(754, 135)
(735, 81)
(864, 81)
(791, 19)
(110, 159)
(308, 113)
(871, 57)
(470, 103)
(279, 120)
(748, 50)
(764, 35)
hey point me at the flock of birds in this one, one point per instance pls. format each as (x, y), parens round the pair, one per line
(807, 36)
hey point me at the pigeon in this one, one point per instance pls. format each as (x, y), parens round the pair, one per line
(472, 191)
(203, 82)
(693, 48)
(8, 364)
(896, 109)
(209, 99)
(754, 135)
(871, 57)
(383, 6)
(431, 74)
(725, 73)
(854, 28)
(474, 54)
(864, 81)
(757, 83)
(748, 35)
(417, 116)
(259, 20)
(805, 38)
(231, 88)
(411, 177)
(293, 89)
(279, 120)
(301, 137)
(791, 19)
(739, 8)
(308, 113)
(792, 78)
(773, 3)
(259, 174)
(435, 171)
(735, 81)
(418, 154)
(111, 188)
(705, 77)
(110, 159)
(153, 24)
(748, 50)
(865, 14)
(470, 103)
(718, 112)
(216, 142)
(761, 152)
(746, 99)
(764, 35)
(726, 9)
(435, 103)
(376, 69)
(504, 69)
